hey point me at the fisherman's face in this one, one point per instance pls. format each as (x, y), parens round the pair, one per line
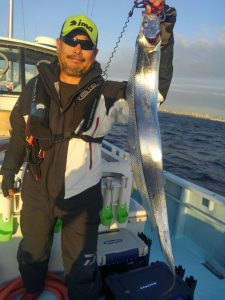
(75, 61)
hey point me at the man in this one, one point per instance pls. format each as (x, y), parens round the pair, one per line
(65, 112)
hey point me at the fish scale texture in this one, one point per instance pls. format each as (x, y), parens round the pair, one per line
(144, 138)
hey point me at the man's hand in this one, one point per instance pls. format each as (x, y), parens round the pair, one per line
(8, 187)
(157, 4)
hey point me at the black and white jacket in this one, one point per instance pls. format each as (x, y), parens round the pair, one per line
(71, 165)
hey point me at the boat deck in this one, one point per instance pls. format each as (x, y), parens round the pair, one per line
(191, 257)
(197, 224)
(186, 253)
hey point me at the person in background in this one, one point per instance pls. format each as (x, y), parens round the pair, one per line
(58, 124)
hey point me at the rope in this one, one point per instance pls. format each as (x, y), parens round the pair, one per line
(53, 283)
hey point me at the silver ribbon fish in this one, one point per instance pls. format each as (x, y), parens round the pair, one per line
(143, 130)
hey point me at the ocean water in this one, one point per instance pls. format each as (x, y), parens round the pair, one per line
(193, 148)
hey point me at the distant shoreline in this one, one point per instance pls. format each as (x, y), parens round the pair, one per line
(193, 114)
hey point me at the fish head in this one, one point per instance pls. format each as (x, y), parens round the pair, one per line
(150, 30)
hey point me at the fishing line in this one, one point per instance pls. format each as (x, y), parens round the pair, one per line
(93, 6)
(87, 9)
(137, 4)
(104, 73)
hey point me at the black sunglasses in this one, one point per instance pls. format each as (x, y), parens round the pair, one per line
(85, 44)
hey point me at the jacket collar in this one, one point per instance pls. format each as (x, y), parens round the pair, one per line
(49, 74)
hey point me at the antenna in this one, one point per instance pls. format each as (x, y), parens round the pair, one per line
(10, 33)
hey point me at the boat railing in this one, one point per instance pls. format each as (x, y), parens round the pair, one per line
(115, 151)
(197, 214)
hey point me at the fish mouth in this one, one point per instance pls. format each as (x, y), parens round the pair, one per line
(153, 40)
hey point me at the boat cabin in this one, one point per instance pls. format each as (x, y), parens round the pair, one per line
(18, 64)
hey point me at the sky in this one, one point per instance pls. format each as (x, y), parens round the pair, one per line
(198, 83)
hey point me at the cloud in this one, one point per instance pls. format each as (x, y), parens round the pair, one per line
(121, 63)
(199, 74)
(198, 83)
(199, 57)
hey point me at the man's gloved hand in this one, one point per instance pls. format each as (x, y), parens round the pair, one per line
(8, 186)
(154, 6)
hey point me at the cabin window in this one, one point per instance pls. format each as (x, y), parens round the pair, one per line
(18, 65)
(10, 76)
(32, 58)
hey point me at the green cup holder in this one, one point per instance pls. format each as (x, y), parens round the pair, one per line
(122, 214)
(58, 226)
(106, 216)
(6, 229)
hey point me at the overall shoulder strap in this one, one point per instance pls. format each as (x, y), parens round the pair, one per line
(93, 90)
(90, 109)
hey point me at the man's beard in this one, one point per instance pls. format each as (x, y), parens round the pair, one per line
(72, 69)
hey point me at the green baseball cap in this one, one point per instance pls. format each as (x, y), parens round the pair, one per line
(79, 23)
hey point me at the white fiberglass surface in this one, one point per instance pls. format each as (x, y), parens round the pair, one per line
(191, 257)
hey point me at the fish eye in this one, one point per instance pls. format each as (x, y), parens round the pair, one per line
(145, 23)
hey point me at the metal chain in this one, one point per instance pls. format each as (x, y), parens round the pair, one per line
(104, 73)
(137, 4)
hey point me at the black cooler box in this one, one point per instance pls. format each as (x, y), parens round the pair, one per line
(149, 283)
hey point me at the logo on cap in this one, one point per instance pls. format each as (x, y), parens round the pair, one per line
(82, 24)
